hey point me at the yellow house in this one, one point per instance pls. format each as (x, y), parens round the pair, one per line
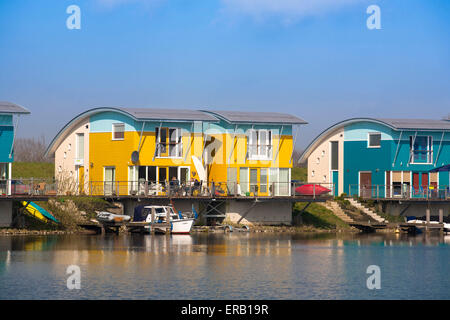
(251, 152)
(129, 152)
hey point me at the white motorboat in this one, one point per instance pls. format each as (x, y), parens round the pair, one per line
(108, 217)
(179, 222)
(446, 227)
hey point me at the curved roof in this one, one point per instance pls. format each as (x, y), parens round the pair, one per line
(9, 107)
(256, 117)
(138, 114)
(395, 124)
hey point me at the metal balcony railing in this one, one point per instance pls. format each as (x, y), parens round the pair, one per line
(174, 188)
(399, 191)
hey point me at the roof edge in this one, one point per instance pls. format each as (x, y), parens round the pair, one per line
(218, 116)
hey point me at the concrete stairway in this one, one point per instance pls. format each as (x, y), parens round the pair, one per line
(367, 211)
(334, 206)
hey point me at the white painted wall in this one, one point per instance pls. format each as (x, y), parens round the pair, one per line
(320, 161)
(65, 154)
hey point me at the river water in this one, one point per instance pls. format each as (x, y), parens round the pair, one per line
(225, 266)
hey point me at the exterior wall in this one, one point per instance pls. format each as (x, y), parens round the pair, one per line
(219, 145)
(106, 152)
(6, 138)
(319, 162)
(417, 210)
(65, 169)
(393, 156)
(229, 150)
(269, 213)
(6, 209)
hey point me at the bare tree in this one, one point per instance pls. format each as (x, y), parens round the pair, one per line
(30, 150)
(295, 157)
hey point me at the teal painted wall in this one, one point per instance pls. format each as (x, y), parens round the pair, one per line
(336, 183)
(358, 157)
(6, 140)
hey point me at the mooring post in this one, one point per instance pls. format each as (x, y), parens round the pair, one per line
(427, 218)
(152, 220)
(168, 221)
(441, 215)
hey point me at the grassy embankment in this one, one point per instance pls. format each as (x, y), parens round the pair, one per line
(315, 215)
(26, 170)
(69, 210)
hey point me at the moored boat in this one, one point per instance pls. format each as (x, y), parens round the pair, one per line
(108, 217)
(180, 223)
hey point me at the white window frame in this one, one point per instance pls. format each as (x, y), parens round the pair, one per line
(267, 154)
(188, 173)
(113, 131)
(77, 146)
(368, 139)
(179, 145)
(429, 151)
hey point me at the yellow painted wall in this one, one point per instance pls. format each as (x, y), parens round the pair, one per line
(117, 153)
(222, 159)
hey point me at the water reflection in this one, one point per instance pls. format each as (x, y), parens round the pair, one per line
(224, 266)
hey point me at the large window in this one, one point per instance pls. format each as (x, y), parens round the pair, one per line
(334, 155)
(169, 142)
(259, 144)
(421, 149)
(80, 146)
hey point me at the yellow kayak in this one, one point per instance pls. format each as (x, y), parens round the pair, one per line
(38, 212)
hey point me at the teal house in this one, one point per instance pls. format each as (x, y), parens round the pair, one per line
(382, 158)
(9, 113)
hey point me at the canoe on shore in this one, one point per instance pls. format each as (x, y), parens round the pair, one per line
(311, 190)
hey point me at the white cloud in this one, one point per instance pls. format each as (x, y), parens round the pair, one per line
(286, 9)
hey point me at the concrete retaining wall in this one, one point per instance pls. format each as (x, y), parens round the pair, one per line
(264, 212)
(415, 209)
(6, 210)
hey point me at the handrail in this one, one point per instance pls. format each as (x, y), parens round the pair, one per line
(174, 188)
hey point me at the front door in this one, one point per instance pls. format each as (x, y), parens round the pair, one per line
(416, 183)
(365, 184)
(110, 177)
(263, 182)
(231, 181)
(424, 184)
(253, 182)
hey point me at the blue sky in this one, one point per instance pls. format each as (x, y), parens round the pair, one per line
(312, 58)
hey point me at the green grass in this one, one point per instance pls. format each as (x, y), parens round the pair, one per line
(33, 170)
(318, 216)
(298, 173)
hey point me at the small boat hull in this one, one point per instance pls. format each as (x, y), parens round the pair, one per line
(311, 190)
(182, 226)
(107, 217)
